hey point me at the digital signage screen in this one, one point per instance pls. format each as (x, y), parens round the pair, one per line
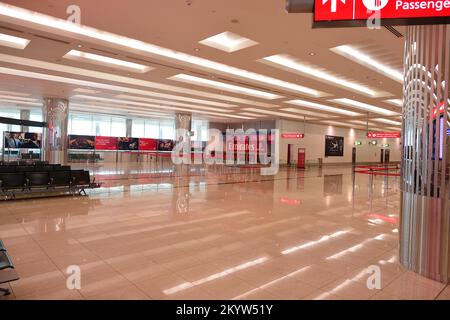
(127, 144)
(22, 140)
(106, 143)
(79, 142)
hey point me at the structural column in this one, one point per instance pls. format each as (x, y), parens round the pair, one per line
(24, 115)
(129, 127)
(425, 210)
(56, 114)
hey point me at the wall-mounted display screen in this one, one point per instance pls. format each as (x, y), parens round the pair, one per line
(81, 142)
(146, 144)
(130, 144)
(165, 145)
(106, 143)
(22, 140)
(334, 146)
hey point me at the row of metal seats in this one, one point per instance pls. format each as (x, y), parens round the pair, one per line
(22, 163)
(35, 168)
(24, 183)
(7, 273)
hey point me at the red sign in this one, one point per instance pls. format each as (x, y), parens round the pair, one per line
(301, 158)
(290, 202)
(292, 135)
(341, 10)
(148, 144)
(380, 135)
(106, 143)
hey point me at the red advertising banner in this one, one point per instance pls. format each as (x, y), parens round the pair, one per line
(301, 158)
(351, 10)
(106, 143)
(292, 135)
(380, 135)
(146, 144)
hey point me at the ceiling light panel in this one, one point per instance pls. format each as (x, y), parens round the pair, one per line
(2, 97)
(250, 114)
(321, 107)
(13, 42)
(228, 41)
(161, 102)
(274, 113)
(15, 93)
(49, 23)
(367, 61)
(106, 61)
(21, 102)
(126, 103)
(395, 102)
(306, 112)
(387, 121)
(172, 97)
(289, 63)
(120, 79)
(85, 90)
(364, 106)
(224, 86)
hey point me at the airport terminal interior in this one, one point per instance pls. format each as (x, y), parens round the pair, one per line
(220, 150)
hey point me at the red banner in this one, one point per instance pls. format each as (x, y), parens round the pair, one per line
(106, 143)
(292, 135)
(380, 135)
(340, 10)
(146, 144)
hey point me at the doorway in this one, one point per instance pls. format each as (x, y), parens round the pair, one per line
(354, 156)
(289, 154)
(386, 156)
(382, 156)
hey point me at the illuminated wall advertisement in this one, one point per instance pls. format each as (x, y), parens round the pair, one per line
(22, 140)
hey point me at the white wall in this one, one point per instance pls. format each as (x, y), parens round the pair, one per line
(314, 142)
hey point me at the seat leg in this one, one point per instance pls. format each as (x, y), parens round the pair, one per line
(6, 292)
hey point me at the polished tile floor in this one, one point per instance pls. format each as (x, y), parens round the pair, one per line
(217, 233)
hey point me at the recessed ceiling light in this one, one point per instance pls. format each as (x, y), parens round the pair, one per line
(387, 121)
(21, 102)
(13, 42)
(15, 93)
(85, 90)
(367, 61)
(250, 114)
(228, 41)
(312, 53)
(364, 106)
(223, 86)
(112, 77)
(318, 106)
(275, 113)
(106, 61)
(180, 98)
(79, 46)
(13, 13)
(395, 102)
(127, 103)
(19, 98)
(288, 63)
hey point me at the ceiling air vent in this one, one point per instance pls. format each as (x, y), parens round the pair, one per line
(51, 39)
(155, 63)
(11, 29)
(394, 31)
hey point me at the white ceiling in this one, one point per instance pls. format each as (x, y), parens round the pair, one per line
(41, 70)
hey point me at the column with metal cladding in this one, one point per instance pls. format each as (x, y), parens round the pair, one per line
(425, 223)
(56, 114)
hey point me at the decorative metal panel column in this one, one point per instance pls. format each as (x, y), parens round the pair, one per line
(425, 224)
(56, 114)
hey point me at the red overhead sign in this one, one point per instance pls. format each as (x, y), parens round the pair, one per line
(380, 135)
(292, 135)
(146, 144)
(352, 10)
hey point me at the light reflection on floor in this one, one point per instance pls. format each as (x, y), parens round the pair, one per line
(214, 233)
